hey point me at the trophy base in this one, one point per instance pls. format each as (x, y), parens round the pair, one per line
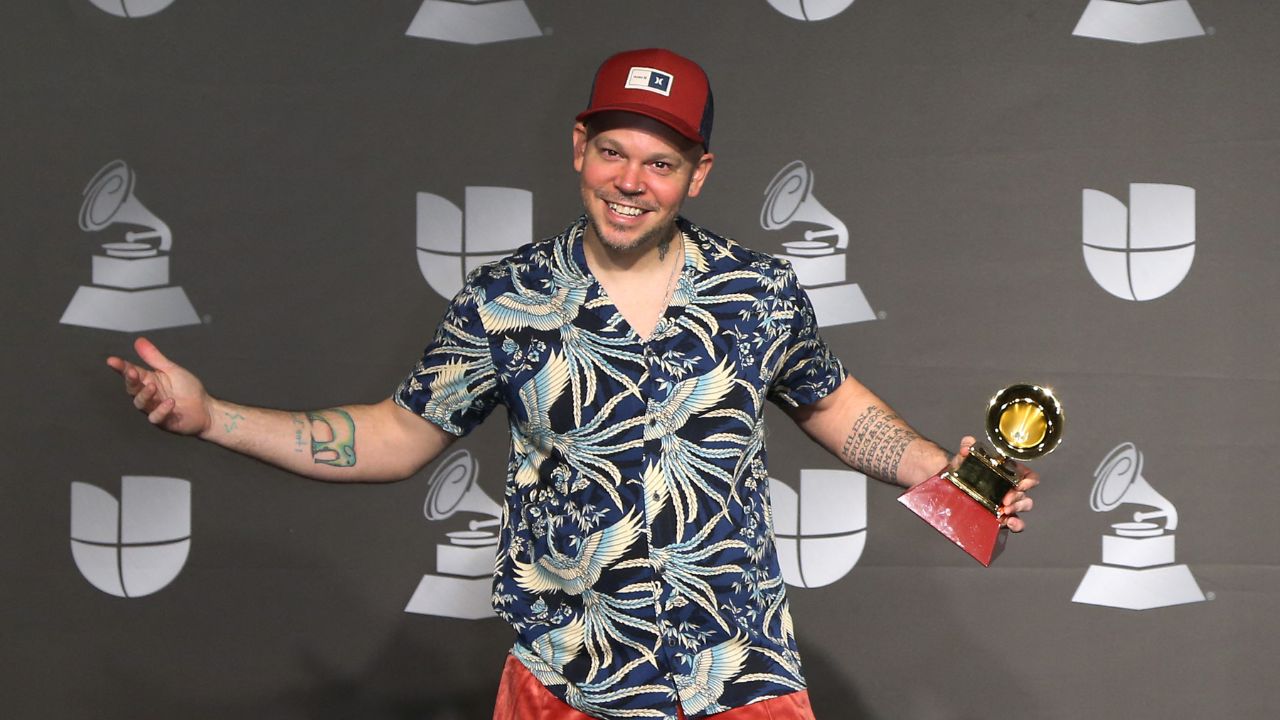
(961, 519)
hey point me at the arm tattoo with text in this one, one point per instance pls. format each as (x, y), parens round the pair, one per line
(333, 437)
(876, 444)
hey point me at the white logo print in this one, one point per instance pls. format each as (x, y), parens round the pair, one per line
(819, 263)
(1145, 251)
(464, 585)
(1138, 21)
(821, 530)
(1137, 570)
(655, 81)
(138, 545)
(132, 8)
(130, 290)
(498, 220)
(474, 22)
(810, 9)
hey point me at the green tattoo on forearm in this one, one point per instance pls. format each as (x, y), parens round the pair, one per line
(333, 437)
(233, 420)
(298, 426)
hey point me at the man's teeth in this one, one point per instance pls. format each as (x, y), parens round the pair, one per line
(624, 210)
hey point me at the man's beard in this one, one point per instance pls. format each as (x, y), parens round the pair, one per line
(658, 236)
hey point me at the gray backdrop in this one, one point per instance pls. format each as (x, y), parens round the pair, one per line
(285, 143)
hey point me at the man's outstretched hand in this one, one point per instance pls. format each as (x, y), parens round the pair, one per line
(169, 395)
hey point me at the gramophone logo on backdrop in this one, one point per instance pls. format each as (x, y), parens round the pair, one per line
(463, 584)
(132, 8)
(135, 546)
(1138, 21)
(498, 220)
(810, 9)
(818, 259)
(1144, 251)
(474, 22)
(822, 529)
(130, 290)
(1138, 571)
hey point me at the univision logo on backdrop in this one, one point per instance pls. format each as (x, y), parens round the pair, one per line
(135, 546)
(810, 10)
(820, 530)
(130, 290)
(132, 8)
(498, 220)
(1138, 21)
(1138, 571)
(462, 585)
(818, 256)
(1144, 251)
(473, 22)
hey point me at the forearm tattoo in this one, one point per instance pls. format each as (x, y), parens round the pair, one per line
(333, 437)
(876, 444)
(299, 426)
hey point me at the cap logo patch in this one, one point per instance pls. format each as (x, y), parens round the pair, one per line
(643, 78)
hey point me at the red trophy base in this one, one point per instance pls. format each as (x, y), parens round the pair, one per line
(963, 520)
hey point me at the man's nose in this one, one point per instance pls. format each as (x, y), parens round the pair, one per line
(630, 180)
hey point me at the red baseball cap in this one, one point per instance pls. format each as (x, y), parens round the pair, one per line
(658, 84)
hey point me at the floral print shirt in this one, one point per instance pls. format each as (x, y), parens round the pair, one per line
(636, 559)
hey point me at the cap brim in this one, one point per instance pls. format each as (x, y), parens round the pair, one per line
(665, 118)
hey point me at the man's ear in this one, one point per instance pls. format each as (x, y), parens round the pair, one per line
(700, 172)
(579, 145)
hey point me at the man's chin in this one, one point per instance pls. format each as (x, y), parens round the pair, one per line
(629, 239)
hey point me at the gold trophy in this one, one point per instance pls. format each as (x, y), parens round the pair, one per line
(1023, 422)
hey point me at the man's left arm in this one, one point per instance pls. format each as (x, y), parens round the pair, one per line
(861, 430)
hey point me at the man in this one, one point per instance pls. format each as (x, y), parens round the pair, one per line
(634, 352)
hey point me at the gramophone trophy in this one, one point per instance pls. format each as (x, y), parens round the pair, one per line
(1023, 422)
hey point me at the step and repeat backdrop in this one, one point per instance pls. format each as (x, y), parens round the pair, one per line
(282, 195)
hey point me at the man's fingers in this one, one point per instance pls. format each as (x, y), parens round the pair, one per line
(161, 412)
(132, 374)
(134, 380)
(151, 354)
(966, 444)
(143, 398)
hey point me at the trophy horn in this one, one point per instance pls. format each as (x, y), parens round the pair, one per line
(789, 198)
(109, 199)
(453, 487)
(1024, 421)
(1118, 480)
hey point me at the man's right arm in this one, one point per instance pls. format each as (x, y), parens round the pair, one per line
(351, 443)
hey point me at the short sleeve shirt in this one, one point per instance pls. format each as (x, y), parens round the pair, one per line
(636, 558)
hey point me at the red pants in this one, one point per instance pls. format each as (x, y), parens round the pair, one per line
(522, 697)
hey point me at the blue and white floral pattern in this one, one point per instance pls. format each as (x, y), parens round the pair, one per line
(636, 562)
